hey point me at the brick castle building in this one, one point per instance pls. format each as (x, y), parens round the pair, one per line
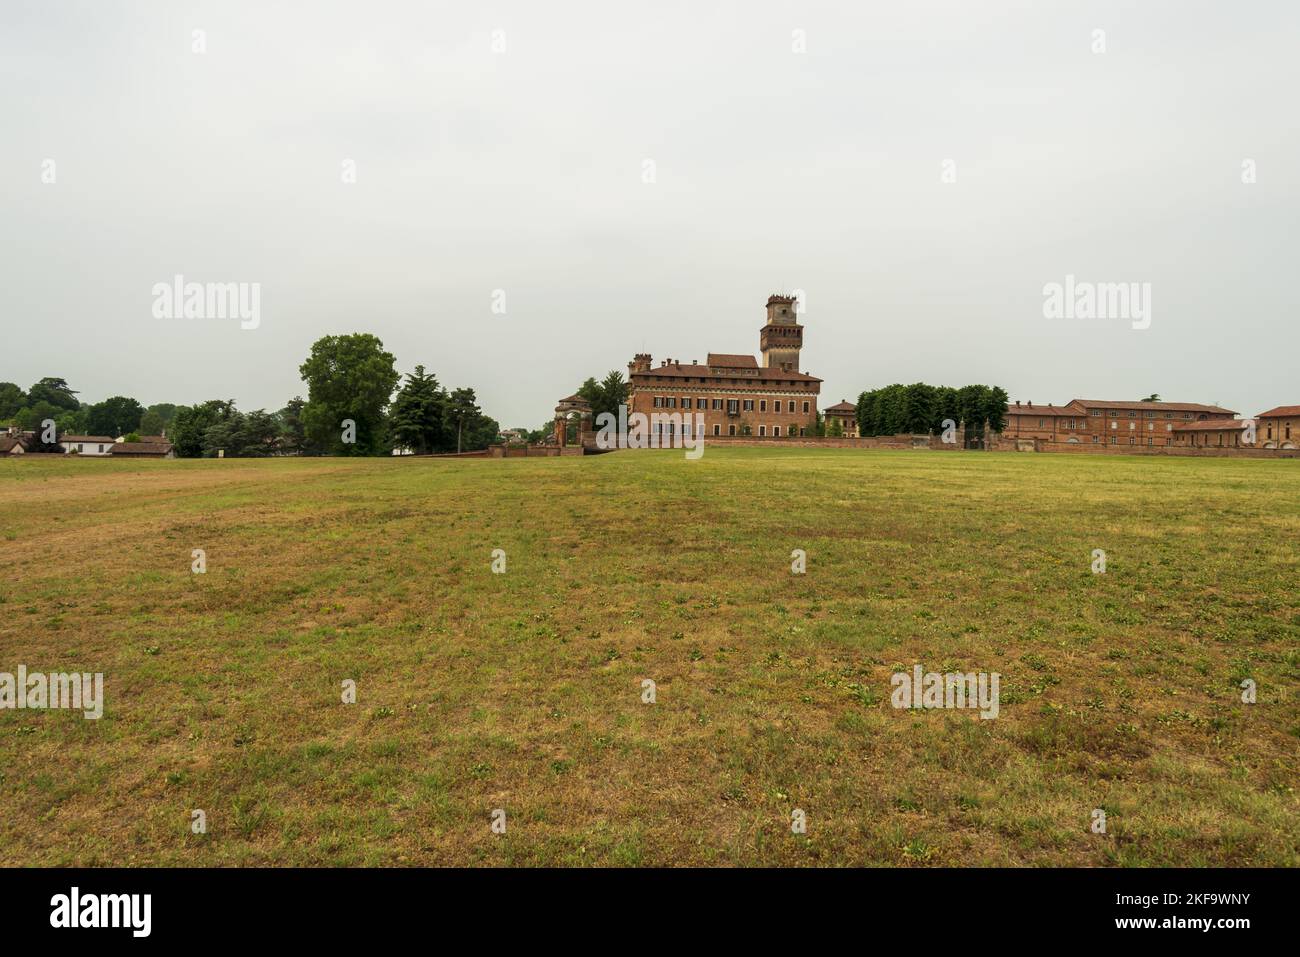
(735, 394)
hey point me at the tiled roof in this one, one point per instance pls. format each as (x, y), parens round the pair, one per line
(1154, 406)
(679, 371)
(7, 442)
(1280, 412)
(86, 438)
(841, 407)
(1024, 409)
(726, 360)
(1210, 425)
(141, 448)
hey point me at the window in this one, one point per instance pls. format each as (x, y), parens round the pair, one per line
(802, 430)
(733, 407)
(762, 405)
(717, 430)
(805, 409)
(701, 403)
(777, 405)
(717, 404)
(749, 405)
(1114, 425)
(776, 430)
(1131, 440)
(1096, 439)
(1114, 440)
(1132, 415)
(1151, 442)
(762, 430)
(731, 430)
(659, 402)
(1041, 423)
(1150, 426)
(1096, 412)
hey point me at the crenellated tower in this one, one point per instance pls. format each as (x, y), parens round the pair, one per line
(781, 339)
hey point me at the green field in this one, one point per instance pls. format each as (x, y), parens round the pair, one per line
(522, 691)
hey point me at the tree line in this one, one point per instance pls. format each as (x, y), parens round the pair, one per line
(921, 408)
(357, 404)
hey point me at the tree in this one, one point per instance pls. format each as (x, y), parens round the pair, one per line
(55, 392)
(32, 416)
(12, 399)
(293, 440)
(348, 377)
(193, 421)
(462, 407)
(416, 418)
(243, 435)
(921, 408)
(114, 416)
(1153, 397)
(606, 395)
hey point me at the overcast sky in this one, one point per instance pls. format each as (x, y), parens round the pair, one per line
(524, 170)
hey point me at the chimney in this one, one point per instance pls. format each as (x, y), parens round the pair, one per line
(1017, 402)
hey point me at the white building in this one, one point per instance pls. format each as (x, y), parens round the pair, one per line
(87, 444)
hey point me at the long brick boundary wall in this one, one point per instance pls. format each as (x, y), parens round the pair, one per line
(1001, 443)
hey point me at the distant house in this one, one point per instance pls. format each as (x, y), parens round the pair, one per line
(16, 443)
(846, 414)
(150, 450)
(86, 444)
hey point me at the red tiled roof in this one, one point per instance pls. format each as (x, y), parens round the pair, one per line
(756, 375)
(726, 360)
(141, 448)
(1153, 406)
(1024, 409)
(1211, 425)
(841, 407)
(1280, 412)
(86, 438)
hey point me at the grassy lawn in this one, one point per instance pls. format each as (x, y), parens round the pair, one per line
(522, 691)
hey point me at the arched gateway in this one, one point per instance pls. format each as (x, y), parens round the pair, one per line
(574, 405)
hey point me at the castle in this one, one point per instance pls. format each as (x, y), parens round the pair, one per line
(735, 394)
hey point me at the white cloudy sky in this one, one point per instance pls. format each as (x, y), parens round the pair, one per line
(522, 171)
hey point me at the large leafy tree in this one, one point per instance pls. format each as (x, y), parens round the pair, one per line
(416, 419)
(12, 399)
(54, 391)
(157, 419)
(293, 440)
(606, 395)
(192, 423)
(348, 377)
(117, 415)
(243, 434)
(920, 408)
(461, 414)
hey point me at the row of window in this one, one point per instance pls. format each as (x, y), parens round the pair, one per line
(669, 429)
(733, 405)
(1133, 415)
(1070, 424)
